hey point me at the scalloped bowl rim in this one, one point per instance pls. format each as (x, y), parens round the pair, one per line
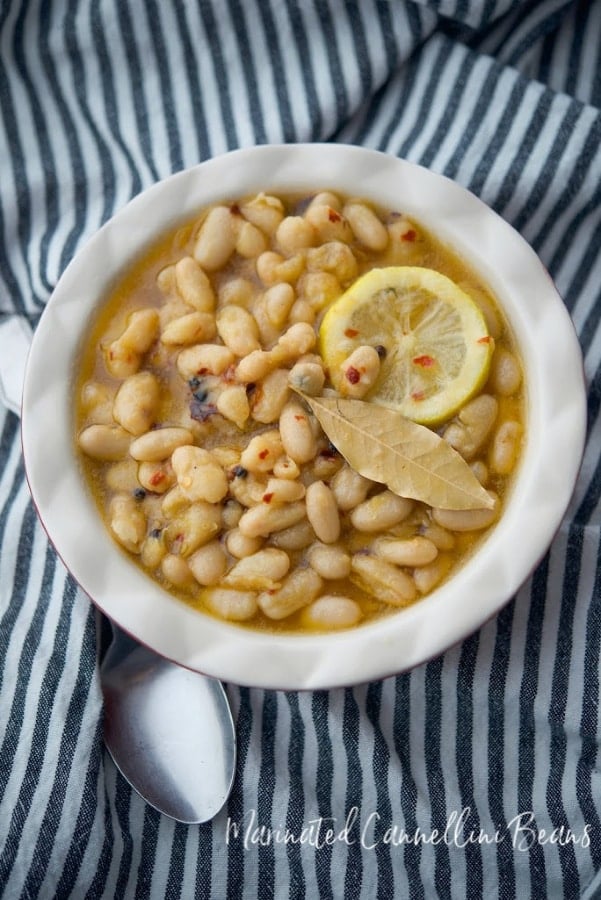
(556, 422)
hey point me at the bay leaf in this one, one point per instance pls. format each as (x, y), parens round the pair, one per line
(410, 459)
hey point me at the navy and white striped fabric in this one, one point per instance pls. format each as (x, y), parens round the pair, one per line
(477, 774)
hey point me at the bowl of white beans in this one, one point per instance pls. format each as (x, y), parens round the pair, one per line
(179, 446)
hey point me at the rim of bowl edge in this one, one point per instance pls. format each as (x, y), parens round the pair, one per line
(542, 487)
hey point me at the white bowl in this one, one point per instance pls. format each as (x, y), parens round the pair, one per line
(556, 417)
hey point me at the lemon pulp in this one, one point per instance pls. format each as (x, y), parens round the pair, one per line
(431, 336)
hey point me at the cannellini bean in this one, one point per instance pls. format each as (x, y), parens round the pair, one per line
(360, 371)
(308, 377)
(104, 442)
(233, 404)
(319, 289)
(97, 402)
(298, 438)
(331, 611)
(193, 285)
(468, 433)
(322, 512)
(192, 328)
(262, 520)
(329, 223)
(159, 444)
(194, 526)
(204, 359)
(238, 330)
(264, 211)
(366, 226)
(273, 267)
(137, 402)
(440, 537)
(198, 474)
(382, 580)
(487, 308)
(480, 470)
(416, 551)
(122, 476)
(251, 241)
(427, 577)
(506, 374)
(294, 233)
(124, 355)
(282, 490)
(270, 397)
(326, 464)
(235, 606)
(326, 198)
(262, 451)
(381, 512)
(165, 281)
(261, 571)
(208, 563)
(505, 447)
(298, 339)
(278, 301)
(329, 561)
(231, 512)
(467, 519)
(268, 331)
(255, 366)
(349, 488)
(153, 551)
(299, 589)
(286, 468)
(127, 522)
(296, 537)
(216, 239)
(302, 311)
(240, 545)
(174, 501)
(334, 257)
(247, 488)
(238, 291)
(176, 571)
(156, 477)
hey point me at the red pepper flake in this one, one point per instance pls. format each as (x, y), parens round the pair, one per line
(484, 340)
(235, 210)
(157, 478)
(409, 235)
(351, 332)
(353, 375)
(202, 371)
(418, 395)
(425, 361)
(334, 216)
(267, 498)
(264, 454)
(299, 418)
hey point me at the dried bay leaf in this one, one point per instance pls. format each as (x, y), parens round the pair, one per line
(410, 459)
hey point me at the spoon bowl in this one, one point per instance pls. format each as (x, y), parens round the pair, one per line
(169, 731)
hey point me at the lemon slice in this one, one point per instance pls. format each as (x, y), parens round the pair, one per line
(431, 336)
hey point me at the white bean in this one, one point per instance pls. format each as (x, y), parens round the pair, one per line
(273, 267)
(176, 571)
(264, 211)
(198, 474)
(381, 512)
(262, 520)
(505, 447)
(299, 589)
(467, 519)
(329, 561)
(331, 611)
(277, 302)
(208, 563)
(238, 330)
(427, 577)
(475, 421)
(283, 490)
(137, 402)
(262, 451)
(127, 522)
(251, 241)
(349, 488)
(383, 580)
(216, 239)
(294, 233)
(322, 512)
(334, 257)
(235, 606)
(104, 442)
(240, 545)
(233, 404)
(297, 434)
(193, 285)
(296, 537)
(360, 371)
(319, 288)
(261, 571)
(367, 227)
(506, 375)
(270, 396)
(416, 551)
(204, 359)
(156, 477)
(308, 377)
(329, 223)
(159, 444)
(192, 328)
(194, 526)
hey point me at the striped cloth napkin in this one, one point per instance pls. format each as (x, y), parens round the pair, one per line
(475, 775)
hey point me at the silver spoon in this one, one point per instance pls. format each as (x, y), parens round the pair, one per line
(169, 730)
